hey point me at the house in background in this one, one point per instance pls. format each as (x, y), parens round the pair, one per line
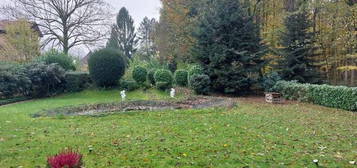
(84, 60)
(19, 40)
(4, 23)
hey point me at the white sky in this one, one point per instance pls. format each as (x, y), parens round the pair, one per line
(138, 9)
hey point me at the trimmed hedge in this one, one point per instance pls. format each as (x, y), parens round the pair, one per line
(129, 85)
(32, 80)
(46, 80)
(77, 81)
(13, 100)
(163, 79)
(13, 82)
(140, 74)
(341, 97)
(181, 77)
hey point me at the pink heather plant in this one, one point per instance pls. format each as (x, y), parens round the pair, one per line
(65, 159)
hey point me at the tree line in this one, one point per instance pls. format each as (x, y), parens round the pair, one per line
(329, 42)
(311, 41)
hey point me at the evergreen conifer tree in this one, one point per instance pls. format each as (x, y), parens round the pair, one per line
(229, 47)
(146, 34)
(123, 36)
(299, 51)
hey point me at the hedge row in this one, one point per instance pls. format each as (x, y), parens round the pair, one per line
(33, 80)
(77, 81)
(13, 100)
(341, 97)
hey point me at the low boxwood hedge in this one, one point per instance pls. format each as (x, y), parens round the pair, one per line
(341, 97)
(129, 85)
(13, 100)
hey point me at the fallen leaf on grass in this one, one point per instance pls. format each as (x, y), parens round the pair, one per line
(338, 155)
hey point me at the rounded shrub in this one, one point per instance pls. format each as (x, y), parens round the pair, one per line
(140, 74)
(106, 67)
(200, 84)
(150, 76)
(181, 77)
(60, 58)
(163, 79)
(195, 70)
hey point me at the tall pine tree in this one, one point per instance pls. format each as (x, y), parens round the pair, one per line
(229, 47)
(146, 33)
(123, 36)
(299, 51)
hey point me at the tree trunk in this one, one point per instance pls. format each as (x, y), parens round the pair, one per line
(353, 78)
(290, 5)
(346, 77)
(65, 48)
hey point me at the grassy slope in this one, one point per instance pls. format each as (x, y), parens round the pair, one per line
(254, 134)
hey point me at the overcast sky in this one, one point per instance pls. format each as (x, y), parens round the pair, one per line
(138, 9)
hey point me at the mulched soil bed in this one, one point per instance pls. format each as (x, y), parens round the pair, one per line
(142, 105)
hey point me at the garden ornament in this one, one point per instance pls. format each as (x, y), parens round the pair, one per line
(123, 95)
(172, 93)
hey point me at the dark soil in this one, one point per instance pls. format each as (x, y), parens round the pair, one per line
(143, 105)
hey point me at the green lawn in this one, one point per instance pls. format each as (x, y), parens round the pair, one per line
(254, 134)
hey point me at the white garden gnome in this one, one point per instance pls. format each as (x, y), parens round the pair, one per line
(123, 95)
(172, 93)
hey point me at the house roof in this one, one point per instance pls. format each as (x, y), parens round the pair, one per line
(84, 60)
(4, 23)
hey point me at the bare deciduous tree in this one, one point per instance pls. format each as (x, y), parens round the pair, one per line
(64, 23)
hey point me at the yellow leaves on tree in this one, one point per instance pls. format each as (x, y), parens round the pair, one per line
(176, 25)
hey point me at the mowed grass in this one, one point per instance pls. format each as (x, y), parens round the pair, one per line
(254, 134)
